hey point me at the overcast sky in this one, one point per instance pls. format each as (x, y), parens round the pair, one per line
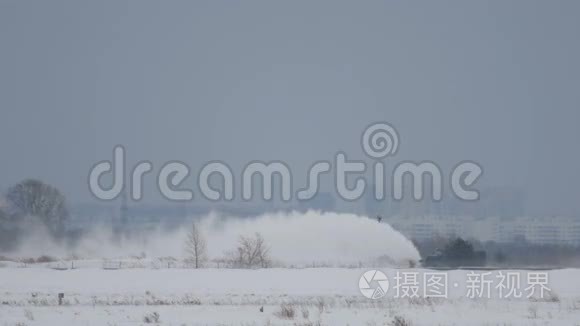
(497, 82)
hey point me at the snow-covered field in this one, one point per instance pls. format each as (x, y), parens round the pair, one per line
(145, 280)
(311, 296)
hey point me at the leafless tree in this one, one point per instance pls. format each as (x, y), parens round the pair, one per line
(196, 246)
(35, 198)
(252, 252)
(263, 252)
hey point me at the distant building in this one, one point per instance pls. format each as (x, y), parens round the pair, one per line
(543, 231)
(322, 201)
(427, 227)
(504, 202)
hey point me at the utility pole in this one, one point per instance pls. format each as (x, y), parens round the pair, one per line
(124, 211)
(120, 224)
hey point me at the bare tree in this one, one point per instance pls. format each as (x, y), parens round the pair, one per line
(263, 253)
(252, 252)
(196, 246)
(35, 198)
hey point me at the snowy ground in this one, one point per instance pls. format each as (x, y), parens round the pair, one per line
(317, 296)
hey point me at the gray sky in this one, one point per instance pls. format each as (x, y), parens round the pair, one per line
(497, 82)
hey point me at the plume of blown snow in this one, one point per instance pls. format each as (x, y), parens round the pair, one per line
(314, 237)
(301, 239)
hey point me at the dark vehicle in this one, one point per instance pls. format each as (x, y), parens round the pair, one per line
(458, 253)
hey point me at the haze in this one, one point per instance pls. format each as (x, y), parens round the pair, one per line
(494, 82)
